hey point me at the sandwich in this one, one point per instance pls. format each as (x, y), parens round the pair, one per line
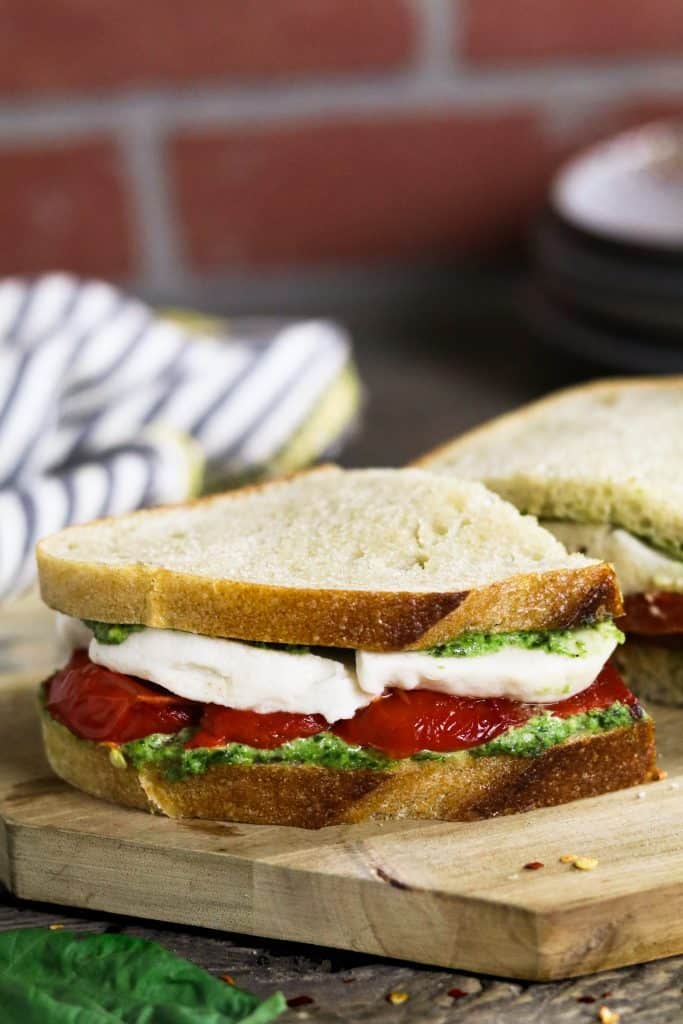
(601, 464)
(334, 647)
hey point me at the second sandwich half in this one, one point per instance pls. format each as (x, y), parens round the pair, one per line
(336, 647)
(602, 465)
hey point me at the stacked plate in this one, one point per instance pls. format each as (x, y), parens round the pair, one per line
(608, 281)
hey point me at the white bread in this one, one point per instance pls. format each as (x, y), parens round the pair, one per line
(374, 559)
(606, 452)
(309, 796)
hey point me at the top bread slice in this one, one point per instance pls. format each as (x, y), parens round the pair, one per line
(606, 452)
(372, 559)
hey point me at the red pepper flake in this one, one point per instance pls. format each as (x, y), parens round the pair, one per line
(457, 993)
(606, 995)
(534, 865)
(228, 978)
(299, 1001)
(586, 999)
(347, 981)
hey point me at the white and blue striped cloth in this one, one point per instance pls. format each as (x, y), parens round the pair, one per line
(95, 388)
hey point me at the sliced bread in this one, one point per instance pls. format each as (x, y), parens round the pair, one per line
(606, 452)
(309, 796)
(374, 559)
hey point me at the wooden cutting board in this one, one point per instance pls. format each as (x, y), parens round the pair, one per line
(455, 894)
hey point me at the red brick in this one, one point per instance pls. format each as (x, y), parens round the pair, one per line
(348, 190)
(534, 30)
(64, 207)
(92, 44)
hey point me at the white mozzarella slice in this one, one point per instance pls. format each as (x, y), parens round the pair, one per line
(237, 675)
(640, 569)
(266, 679)
(529, 675)
(72, 635)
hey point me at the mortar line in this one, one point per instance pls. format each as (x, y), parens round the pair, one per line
(476, 91)
(143, 153)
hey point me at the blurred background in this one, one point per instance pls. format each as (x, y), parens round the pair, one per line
(381, 161)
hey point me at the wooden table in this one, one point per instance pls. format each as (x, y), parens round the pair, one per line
(417, 395)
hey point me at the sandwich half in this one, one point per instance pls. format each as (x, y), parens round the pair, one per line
(602, 465)
(336, 647)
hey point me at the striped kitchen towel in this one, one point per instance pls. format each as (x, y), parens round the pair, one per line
(106, 406)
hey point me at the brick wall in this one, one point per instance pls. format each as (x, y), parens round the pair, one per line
(185, 147)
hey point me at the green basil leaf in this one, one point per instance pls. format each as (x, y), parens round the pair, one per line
(57, 977)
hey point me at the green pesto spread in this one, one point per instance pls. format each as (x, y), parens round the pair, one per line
(573, 643)
(289, 648)
(108, 633)
(326, 750)
(545, 731)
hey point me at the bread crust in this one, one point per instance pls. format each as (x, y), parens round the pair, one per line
(368, 620)
(308, 796)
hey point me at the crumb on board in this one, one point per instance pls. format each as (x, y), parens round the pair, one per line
(641, 794)
(55, 927)
(586, 863)
(607, 1016)
(397, 997)
(567, 858)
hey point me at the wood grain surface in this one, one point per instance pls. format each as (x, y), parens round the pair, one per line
(452, 894)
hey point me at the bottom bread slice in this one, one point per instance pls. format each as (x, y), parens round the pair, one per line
(654, 672)
(309, 796)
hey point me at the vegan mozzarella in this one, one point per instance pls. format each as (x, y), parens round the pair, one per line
(533, 676)
(267, 679)
(640, 569)
(72, 635)
(237, 675)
